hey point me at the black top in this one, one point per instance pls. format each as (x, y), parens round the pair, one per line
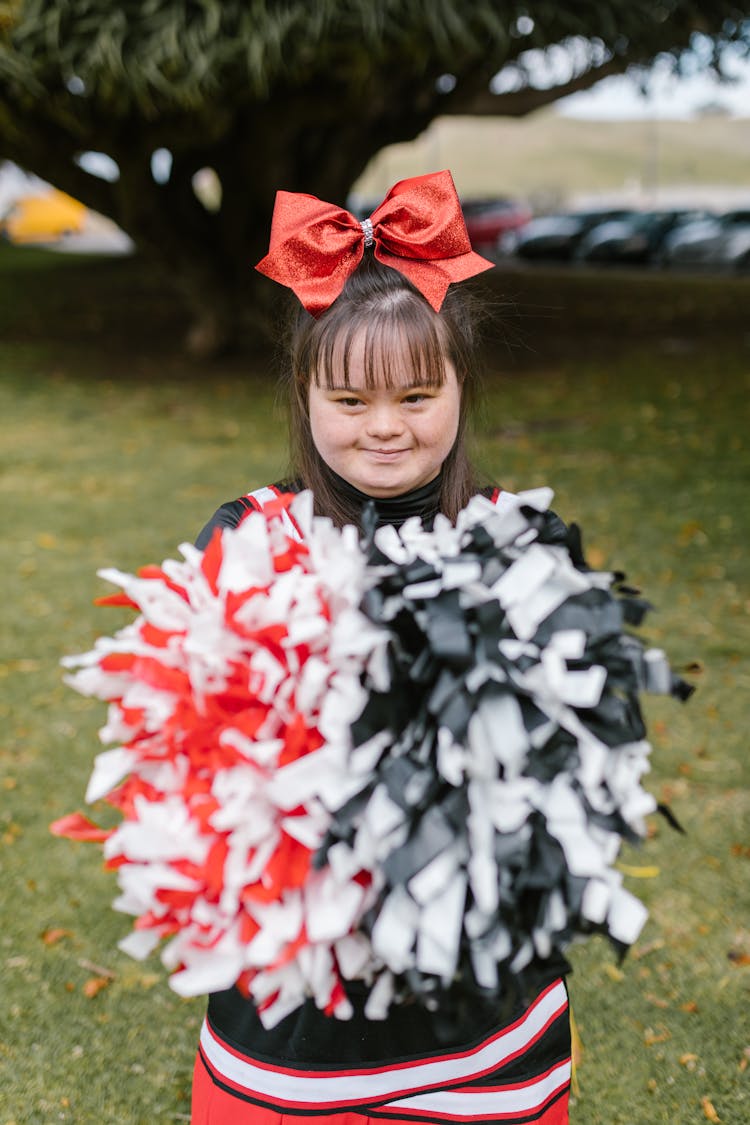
(423, 502)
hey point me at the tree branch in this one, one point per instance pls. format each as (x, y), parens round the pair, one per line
(518, 103)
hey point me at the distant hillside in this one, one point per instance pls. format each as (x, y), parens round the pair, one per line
(551, 159)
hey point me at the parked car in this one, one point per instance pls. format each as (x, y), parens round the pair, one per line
(634, 239)
(721, 242)
(555, 236)
(488, 220)
(42, 218)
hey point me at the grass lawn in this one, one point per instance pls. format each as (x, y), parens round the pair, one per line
(629, 396)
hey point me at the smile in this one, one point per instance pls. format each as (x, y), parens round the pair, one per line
(386, 454)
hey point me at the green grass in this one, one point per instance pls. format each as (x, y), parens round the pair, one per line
(628, 396)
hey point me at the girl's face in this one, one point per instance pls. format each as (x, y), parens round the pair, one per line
(385, 440)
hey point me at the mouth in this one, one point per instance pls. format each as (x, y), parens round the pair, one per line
(384, 456)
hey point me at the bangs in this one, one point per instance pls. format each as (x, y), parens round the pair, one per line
(402, 345)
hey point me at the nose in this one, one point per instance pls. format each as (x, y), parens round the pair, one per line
(384, 421)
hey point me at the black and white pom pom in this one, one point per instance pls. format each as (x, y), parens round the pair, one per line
(501, 770)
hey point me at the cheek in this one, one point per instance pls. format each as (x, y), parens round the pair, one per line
(317, 416)
(446, 428)
(326, 428)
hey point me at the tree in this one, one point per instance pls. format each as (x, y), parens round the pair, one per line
(288, 93)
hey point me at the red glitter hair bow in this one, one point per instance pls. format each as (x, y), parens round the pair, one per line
(418, 229)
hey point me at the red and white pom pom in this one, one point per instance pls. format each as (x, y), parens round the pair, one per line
(231, 698)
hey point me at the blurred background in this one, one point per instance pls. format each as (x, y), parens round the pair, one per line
(602, 156)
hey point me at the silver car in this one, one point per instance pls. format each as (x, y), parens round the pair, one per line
(635, 240)
(719, 242)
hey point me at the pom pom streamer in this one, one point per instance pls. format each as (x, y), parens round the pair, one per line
(411, 764)
(231, 699)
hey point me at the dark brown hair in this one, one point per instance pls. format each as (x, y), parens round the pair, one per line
(381, 307)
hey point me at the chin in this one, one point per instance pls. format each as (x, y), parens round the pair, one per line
(382, 490)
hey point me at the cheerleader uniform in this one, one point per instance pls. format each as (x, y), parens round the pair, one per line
(480, 1065)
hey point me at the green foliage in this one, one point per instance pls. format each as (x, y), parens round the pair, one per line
(162, 55)
(287, 93)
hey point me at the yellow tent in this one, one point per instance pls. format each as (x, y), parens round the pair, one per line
(46, 217)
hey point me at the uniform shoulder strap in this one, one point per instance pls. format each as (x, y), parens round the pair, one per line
(260, 498)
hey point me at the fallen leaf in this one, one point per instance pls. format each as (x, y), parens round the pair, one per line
(691, 531)
(708, 1110)
(576, 1054)
(648, 872)
(11, 833)
(652, 1036)
(657, 1001)
(742, 850)
(54, 934)
(148, 980)
(596, 558)
(100, 971)
(613, 972)
(688, 1060)
(689, 1006)
(649, 947)
(94, 986)
(737, 958)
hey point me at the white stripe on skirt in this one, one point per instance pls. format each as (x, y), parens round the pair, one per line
(488, 1101)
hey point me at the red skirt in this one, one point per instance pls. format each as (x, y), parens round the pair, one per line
(232, 1088)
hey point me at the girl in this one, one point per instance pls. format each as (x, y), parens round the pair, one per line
(380, 382)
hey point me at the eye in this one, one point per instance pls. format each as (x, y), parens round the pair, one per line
(348, 400)
(416, 397)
